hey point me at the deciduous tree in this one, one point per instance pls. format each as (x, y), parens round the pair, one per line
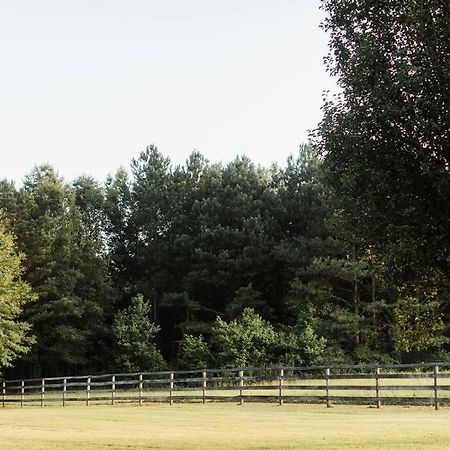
(15, 335)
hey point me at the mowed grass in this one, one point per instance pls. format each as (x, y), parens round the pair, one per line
(224, 426)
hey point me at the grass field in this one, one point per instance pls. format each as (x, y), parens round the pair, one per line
(224, 426)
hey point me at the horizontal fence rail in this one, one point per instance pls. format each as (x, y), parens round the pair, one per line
(360, 384)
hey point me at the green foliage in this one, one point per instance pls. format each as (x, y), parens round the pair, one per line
(246, 341)
(193, 353)
(247, 297)
(15, 337)
(90, 199)
(278, 254)
(251, 341)
(386, 135)
(134, 334)
(417, 325)
(67, 270)
(385, 141)
(299, 346)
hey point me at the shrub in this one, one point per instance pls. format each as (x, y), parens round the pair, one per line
(135, 334)
(245, 341)
(193, 352)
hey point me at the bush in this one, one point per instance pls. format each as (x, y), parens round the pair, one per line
(299, 347)
(193, 352)
(243, 342)
(135, 334)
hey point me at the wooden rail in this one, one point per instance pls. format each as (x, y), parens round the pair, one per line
(361, 384)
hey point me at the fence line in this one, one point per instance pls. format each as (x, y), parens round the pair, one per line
(427, 383)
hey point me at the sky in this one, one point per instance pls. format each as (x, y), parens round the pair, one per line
(85, 85)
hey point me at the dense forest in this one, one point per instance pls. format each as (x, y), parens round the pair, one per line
(340, 255)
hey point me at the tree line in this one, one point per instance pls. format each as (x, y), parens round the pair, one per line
(341, 255)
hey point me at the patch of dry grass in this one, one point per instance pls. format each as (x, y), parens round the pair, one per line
(224, 426)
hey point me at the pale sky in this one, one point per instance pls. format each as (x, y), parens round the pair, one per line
(87, 84)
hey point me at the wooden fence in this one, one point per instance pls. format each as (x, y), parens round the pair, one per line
(360, 384)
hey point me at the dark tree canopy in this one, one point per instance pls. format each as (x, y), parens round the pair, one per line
(386, 135)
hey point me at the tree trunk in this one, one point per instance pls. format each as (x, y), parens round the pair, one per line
(356, 307)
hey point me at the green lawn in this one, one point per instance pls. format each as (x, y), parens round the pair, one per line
(224, 426)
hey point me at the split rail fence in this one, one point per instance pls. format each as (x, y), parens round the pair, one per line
(360, 384)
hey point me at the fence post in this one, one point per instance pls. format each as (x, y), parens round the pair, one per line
(241, 385)
(377, 386)
(88, 390)
(113, 389)
(42, 392)
(3, 393)
(172, 378)
(280, 393)
(141, 386)
(435, 379)
(64, 391)
(327, 385)
(204, 387)
(22, 392)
